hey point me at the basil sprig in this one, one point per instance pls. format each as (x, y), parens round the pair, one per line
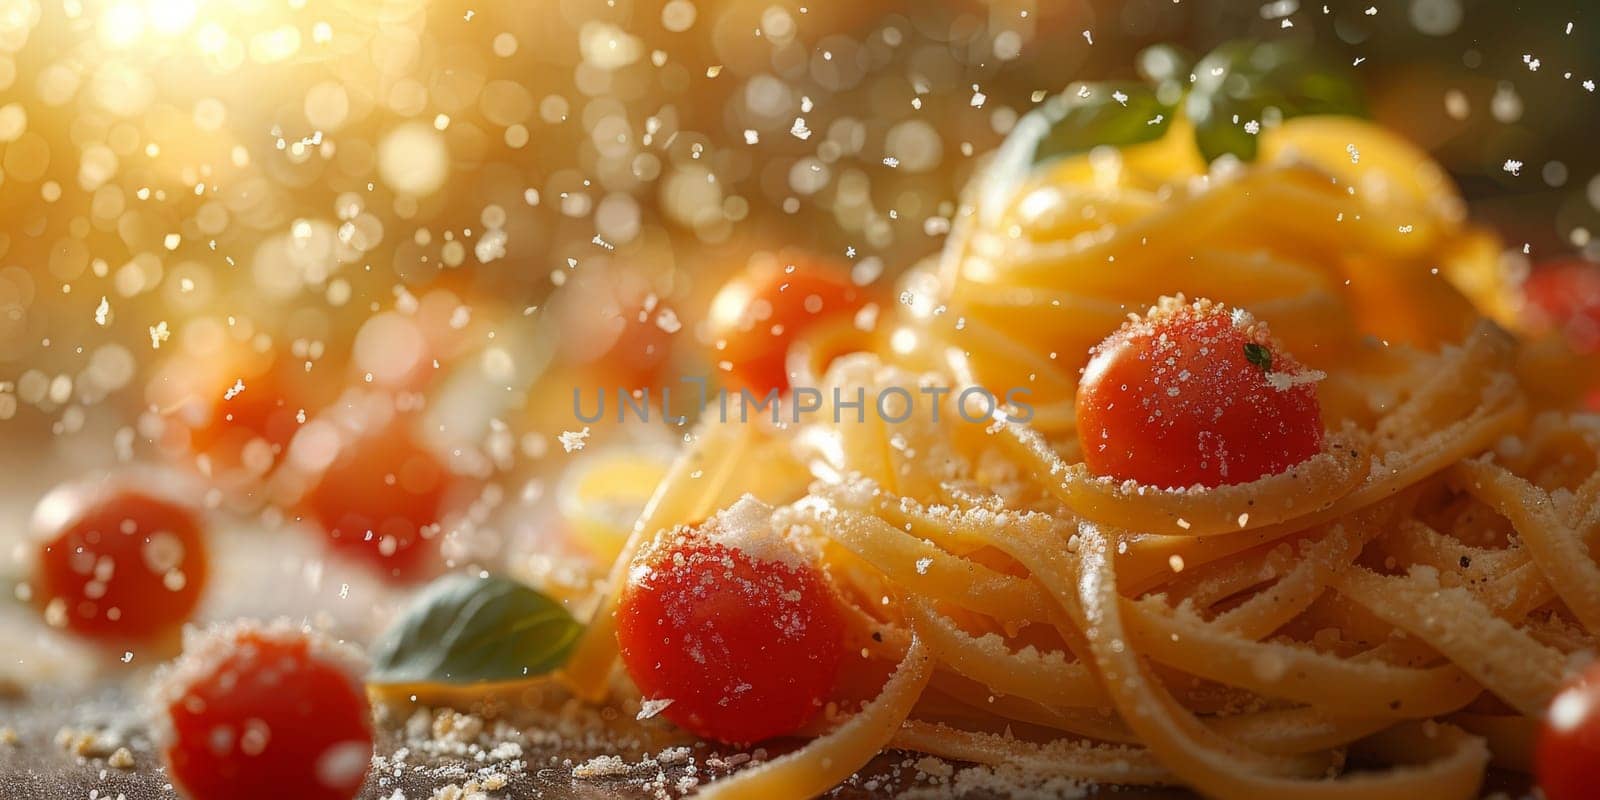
(1232, 86)
(468, 629)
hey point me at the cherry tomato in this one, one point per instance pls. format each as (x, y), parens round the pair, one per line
(744, 646)
(1567, 757)
(760, 313)
(1564, 296)
(1195, 394)
(260, 713)
(641, 350)
(381, 501)
(234, 418)
(267, 408)
(117, 562)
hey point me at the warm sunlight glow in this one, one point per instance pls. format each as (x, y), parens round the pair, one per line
(170, 17)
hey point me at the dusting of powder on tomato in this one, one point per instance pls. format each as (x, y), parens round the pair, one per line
(1195, 394)
(733, 626)
(253, 711)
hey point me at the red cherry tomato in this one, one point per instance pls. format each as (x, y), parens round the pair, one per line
(268, 409)
(744, 647)
(1567, 757)
(261, 713)
(759, 314)
(1195, 394)
(1564, 296)
(117, 563)
(641, 351)
(381, 501)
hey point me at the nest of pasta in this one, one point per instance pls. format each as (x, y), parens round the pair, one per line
(1384, 620)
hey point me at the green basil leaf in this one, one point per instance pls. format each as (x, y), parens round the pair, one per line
(1085, 116)
(1089, 115)
(1167, 68)
(468, 629)
(1216, 133)
(1310, 90)
(1240, 81)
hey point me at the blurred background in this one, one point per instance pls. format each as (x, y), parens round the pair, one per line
(233, 232)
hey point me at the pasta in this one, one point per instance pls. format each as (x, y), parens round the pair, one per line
(1381, 621)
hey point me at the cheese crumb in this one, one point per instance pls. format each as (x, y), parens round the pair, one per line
(650, 708)
(601, 767)
(121, 759)
(572, 441)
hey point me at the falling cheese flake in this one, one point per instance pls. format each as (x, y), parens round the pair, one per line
(572, 441)
(1588, 85)
(1355, 155)
(978, 98)
(1533, 63)
(1372, 11)
(158, 334)
(234, 390)
(1512, 166)
(1252, 127)
(667, 320)
(102, 311)
(751, 136)
(712, 72)
(1121, 98)
(799, 130)
(891, 162)
(1088, 37)
(650, 708)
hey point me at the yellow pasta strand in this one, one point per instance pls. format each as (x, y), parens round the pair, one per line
(1242, 641)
